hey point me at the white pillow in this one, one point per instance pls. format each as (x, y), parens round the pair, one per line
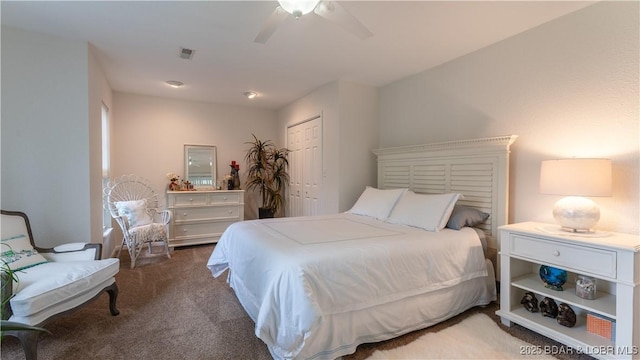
(427, 211)
(135, 211)
(18, 254)
(376, 203)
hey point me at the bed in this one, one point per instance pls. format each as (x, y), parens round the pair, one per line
(402, 259)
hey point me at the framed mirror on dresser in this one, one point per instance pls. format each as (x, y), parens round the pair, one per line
(200, 166)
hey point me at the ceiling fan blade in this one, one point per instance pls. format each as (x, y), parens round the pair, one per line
(270, 26)
(334, 12)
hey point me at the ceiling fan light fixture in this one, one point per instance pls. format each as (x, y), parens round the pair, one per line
(298, 8)
(250, 94)
(174, 83)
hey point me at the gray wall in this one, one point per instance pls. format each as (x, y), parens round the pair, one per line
(46, 170)
(567, 88)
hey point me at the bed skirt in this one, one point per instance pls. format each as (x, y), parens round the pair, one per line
(340, 334)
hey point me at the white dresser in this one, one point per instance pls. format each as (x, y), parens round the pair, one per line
(614, 260)
(200, 217)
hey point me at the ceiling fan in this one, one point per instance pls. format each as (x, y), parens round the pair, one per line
(327, 9)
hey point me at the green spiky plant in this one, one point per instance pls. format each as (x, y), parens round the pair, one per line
(267, 173)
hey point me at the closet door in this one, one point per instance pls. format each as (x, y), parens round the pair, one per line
(305, 168)
(294, 136)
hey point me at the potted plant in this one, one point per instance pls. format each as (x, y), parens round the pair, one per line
(267, 173)
(8, 277)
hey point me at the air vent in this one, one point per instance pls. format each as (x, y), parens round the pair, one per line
(186, 54)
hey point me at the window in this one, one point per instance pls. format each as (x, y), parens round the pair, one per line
(106, 216)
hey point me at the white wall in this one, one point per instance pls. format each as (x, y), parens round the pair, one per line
(349, 133)
(149, 134)
(358, 136)
(46, 134)
(567, 88)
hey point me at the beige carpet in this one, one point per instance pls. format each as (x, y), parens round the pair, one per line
(476, 337)
(174, 309)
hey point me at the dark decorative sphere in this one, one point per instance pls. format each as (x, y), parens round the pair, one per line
(549, 308)
(553, 278)
(530, 302)
(566, 315)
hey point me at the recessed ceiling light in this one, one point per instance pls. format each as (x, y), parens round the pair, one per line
(174, 83)
(250, 94)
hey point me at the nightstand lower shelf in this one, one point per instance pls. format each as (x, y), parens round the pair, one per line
(577, 337)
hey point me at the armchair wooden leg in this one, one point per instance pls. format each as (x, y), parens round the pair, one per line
(29, 341)
(112, 290)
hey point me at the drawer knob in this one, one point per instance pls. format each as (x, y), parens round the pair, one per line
(556, 253)
(224, 198)
(230, 211)
(185, 214)
(190, 199)
(184, 230)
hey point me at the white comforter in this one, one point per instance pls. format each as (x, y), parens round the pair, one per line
(290, 272)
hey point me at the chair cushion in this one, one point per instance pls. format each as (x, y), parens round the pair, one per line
(49, 284)
(135, 211)
(18, 253)
(151, 232)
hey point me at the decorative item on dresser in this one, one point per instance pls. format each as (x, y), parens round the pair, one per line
(200, 217)
(613, 260)
(235, 176)
(173, 181)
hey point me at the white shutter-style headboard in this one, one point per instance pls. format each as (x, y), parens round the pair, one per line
(476, 168)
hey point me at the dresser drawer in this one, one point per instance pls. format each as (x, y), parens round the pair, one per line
(206, 213)
(188, 199)
(227, 198)
(200, 229)
(577, 258)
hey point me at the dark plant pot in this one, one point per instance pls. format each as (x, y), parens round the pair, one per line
(264, 213)
(7, 289)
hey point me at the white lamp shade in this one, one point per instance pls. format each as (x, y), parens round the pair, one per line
(298, 7)
(576, 177)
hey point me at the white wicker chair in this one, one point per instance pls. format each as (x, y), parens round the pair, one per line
(134, 204)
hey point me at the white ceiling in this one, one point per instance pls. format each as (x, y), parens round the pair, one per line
(138, 42)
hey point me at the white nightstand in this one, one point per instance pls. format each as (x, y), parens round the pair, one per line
(613, 259)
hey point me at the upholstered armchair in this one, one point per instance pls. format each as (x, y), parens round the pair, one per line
(50, 282)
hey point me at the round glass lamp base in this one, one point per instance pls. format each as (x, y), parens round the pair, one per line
(576, 214)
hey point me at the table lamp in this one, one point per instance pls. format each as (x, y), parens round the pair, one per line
(576, 178)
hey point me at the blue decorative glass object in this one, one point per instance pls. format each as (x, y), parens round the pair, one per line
(553, 278)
